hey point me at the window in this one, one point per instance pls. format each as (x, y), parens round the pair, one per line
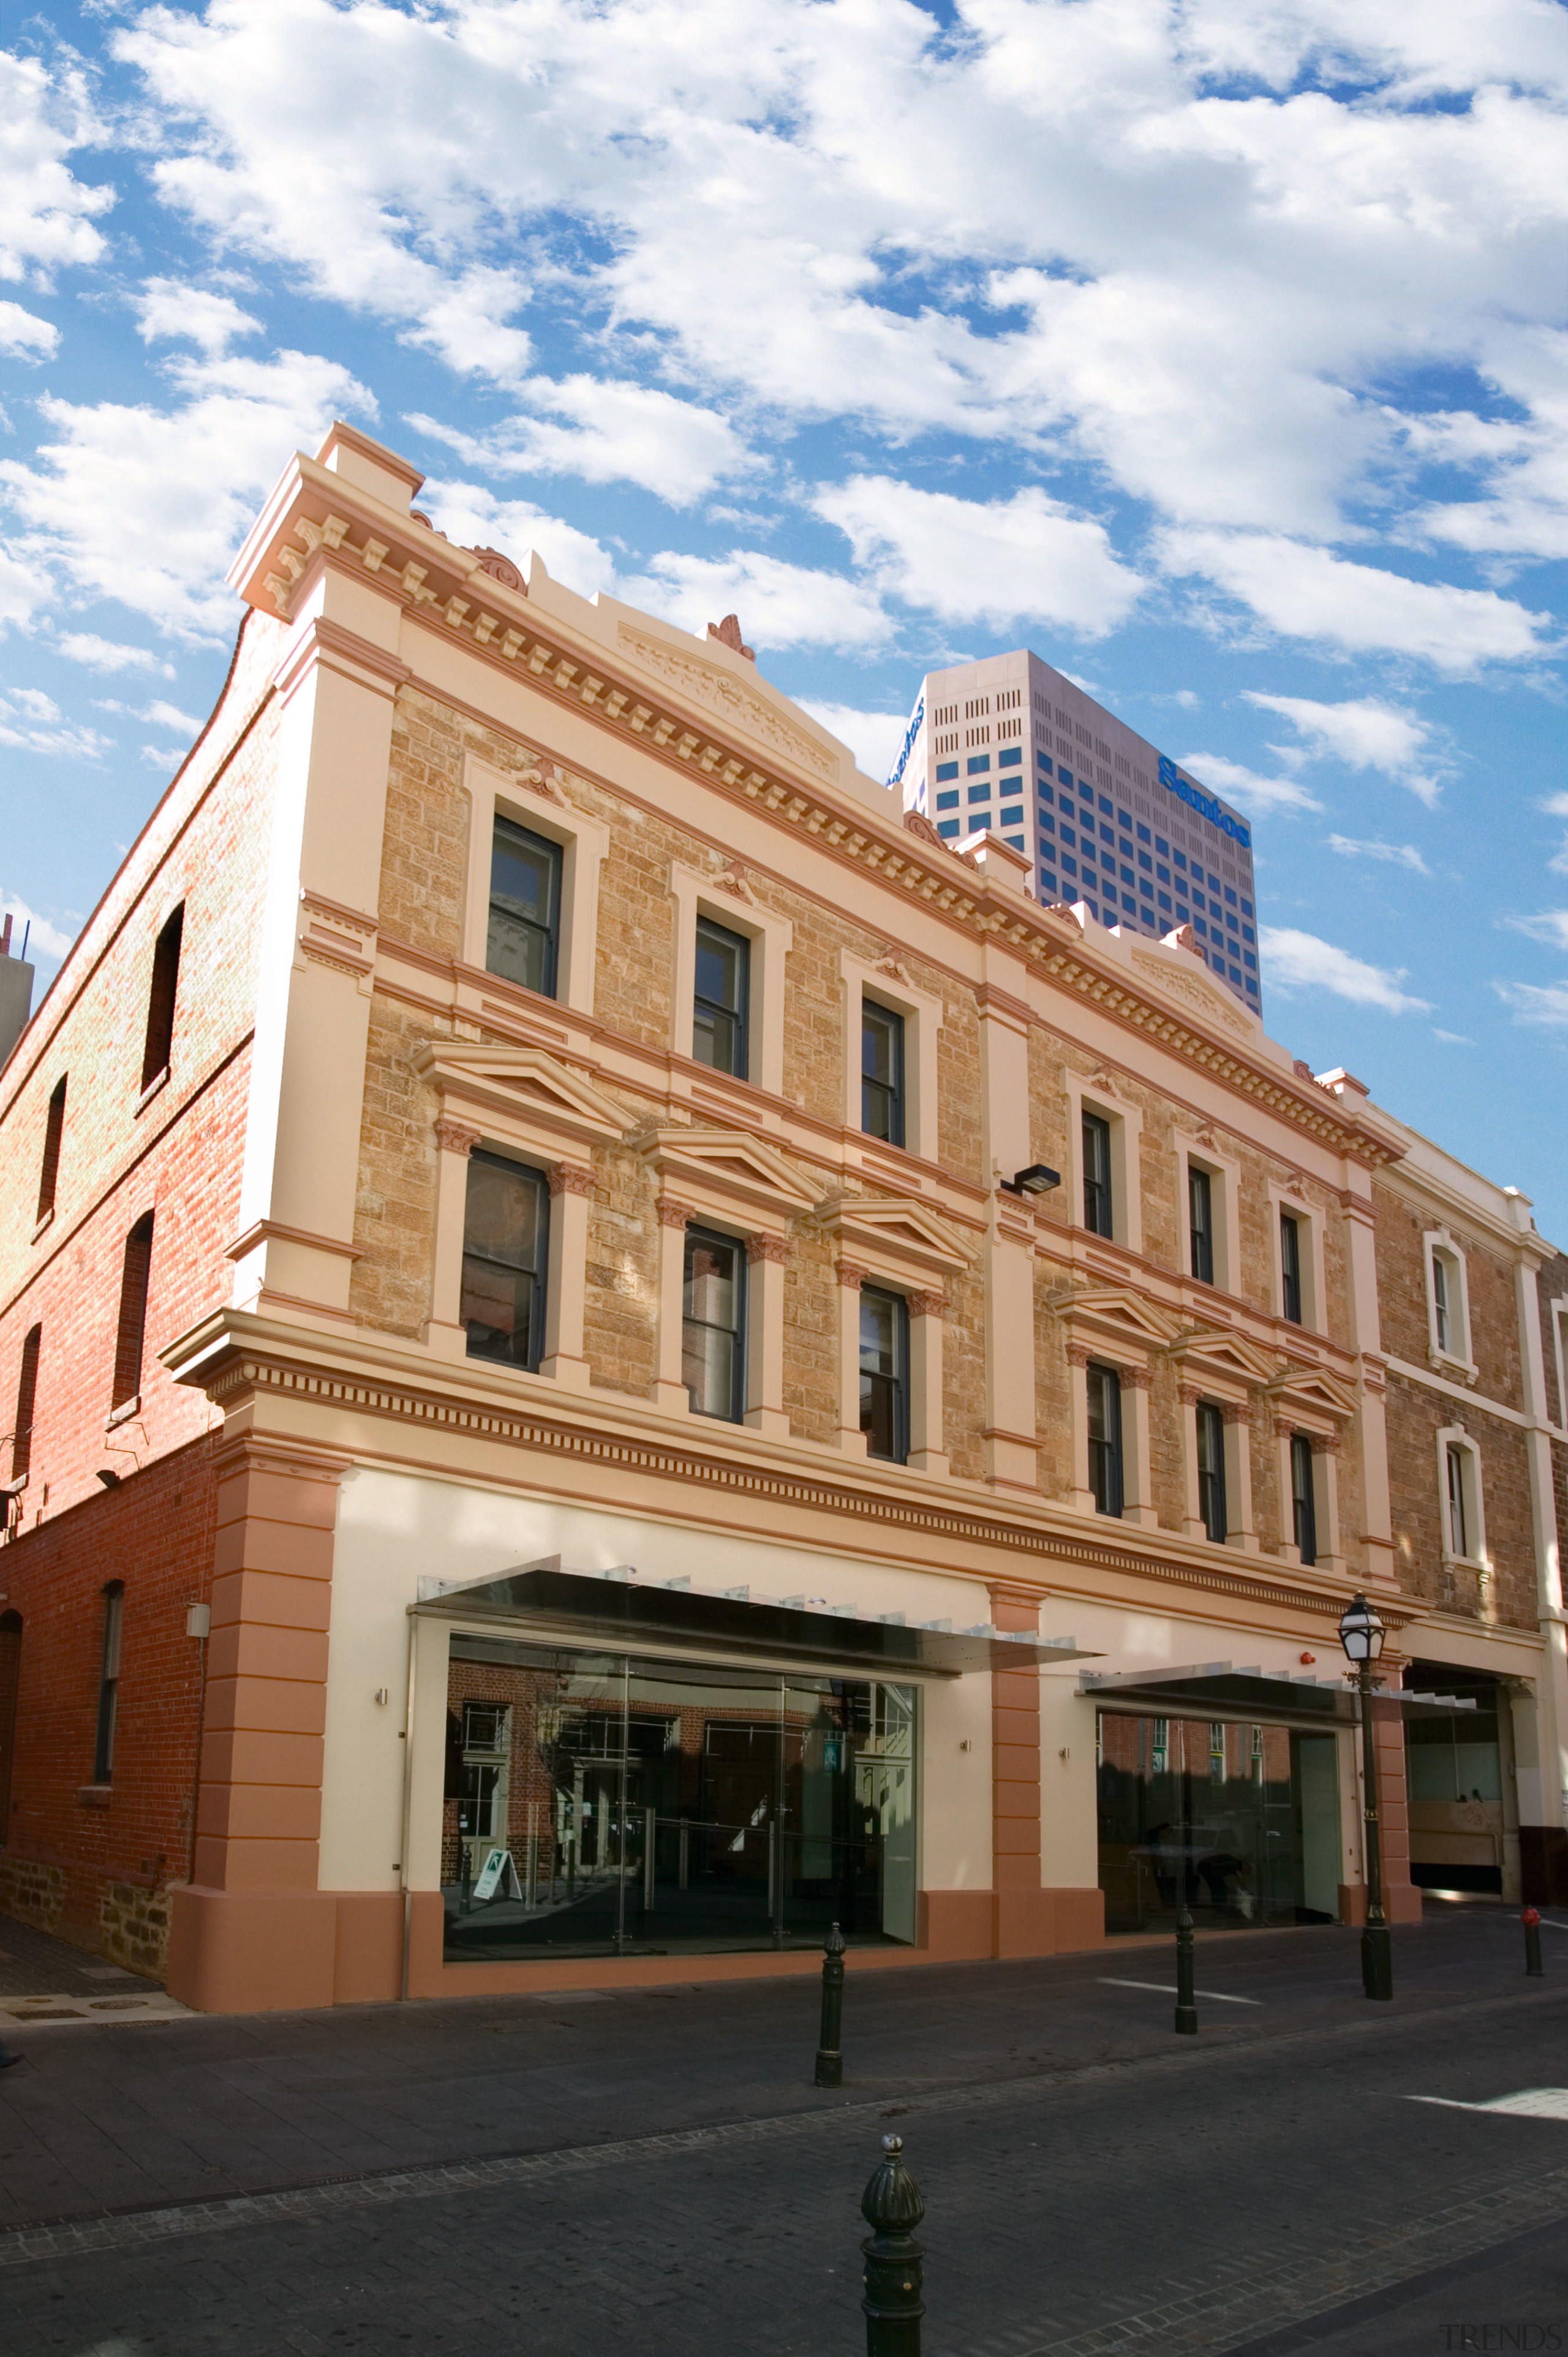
(976, 763)
(131, 1333)
(54, 1130)
(719, 1000)
(980, 793)
(26, 1395)
(524, 938)
(948, 802)
(161, 999)
(1290, 1267)
(1459, 1533)
(1440, 1316)
(946, 770)
(881, 1073)
(1303, 1505)
(1211, 1470)
(1216, 1751)
(1200, 1222)
(1105, 1438)
(713, 1332)
(1010, 757)
(505, 1252)
(108, 1682)
(883, 1374)
(1097, 1203)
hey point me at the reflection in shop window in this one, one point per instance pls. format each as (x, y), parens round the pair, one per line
(1239, 1834)
(599, 1804)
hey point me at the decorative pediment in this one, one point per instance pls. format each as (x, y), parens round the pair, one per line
(892, 1233)
(1190, 986)
(726, 1171)
(521, 1095)
(1208, 1354)
(1113, 1316)
(1309, 1393)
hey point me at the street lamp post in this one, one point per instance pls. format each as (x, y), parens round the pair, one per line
(1361, 1634)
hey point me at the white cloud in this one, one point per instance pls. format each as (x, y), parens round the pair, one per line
(1308, 593)
(43, 936)
(1551, 925)
(45, 214)
(110, 654)
(475, 517)
(146, 506)
(1182, 243)
(1364, 732)
(167, 758)
(873, 737)
(1556, 806)
(1297, 961)
(998, 561)
(25, 337)
(24, 585)
(157, 713)
(1244, 786)
(779, 605)
(31, 722)
(168, 310)
(1452, 1039)
(1542, 1005)
(616, 432)
(1396, 855)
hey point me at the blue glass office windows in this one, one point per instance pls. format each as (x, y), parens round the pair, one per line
(1009, 756)
(946, 770)
(976, 762)
(947, 828)
(948, 801)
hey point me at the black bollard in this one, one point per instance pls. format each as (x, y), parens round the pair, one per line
(1186, 2008)
(830, 2061)
(892, 2208)
(1530, 1918)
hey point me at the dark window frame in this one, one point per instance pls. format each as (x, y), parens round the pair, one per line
(163, 993)
(733, 1020)
(54, 1132)
(503, 830)
(885, 1392)
(1212, 1503)
(1102, 1386)
(109, 1681)
(1098, 1191)
(887, 1098)
(26, 1404)
(1200, 1222)
(1458, 1503)
(538, 1275)
(734, 1246)
(1290, 1268)
(1304, 1496)
(131, 1329)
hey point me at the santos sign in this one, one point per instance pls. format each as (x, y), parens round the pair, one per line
(1204, 804)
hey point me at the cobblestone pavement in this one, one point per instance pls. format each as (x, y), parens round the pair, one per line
(652, 2169)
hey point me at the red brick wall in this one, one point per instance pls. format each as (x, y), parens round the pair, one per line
(178, 1153)
(64, 1852)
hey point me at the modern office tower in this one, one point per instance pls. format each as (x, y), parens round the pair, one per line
(1009, 746)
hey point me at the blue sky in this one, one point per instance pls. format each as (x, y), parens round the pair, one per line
(1218, 351)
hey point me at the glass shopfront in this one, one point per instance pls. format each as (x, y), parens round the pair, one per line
(1239, 1823)
(1455, 1787)
(599, 1801)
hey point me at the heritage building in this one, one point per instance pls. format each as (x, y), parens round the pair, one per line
(619, 1352)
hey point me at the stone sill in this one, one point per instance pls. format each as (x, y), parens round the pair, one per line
(95, 1796)
(126, 1413)
(159, 1081)
(46, 1221)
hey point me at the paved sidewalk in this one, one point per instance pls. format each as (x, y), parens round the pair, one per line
(545, 2179)
(147, 2112)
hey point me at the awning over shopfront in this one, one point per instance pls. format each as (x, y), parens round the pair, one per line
(540, 1601)
(1215, 1690)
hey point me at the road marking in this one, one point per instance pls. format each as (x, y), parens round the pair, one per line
(1210, 1996)
(1530, 2103)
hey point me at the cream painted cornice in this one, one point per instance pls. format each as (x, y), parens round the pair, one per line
(1445, 1205)
(318, 519)
(362, 1382)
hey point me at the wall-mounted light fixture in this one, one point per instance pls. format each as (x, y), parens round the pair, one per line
(1038, 1180)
